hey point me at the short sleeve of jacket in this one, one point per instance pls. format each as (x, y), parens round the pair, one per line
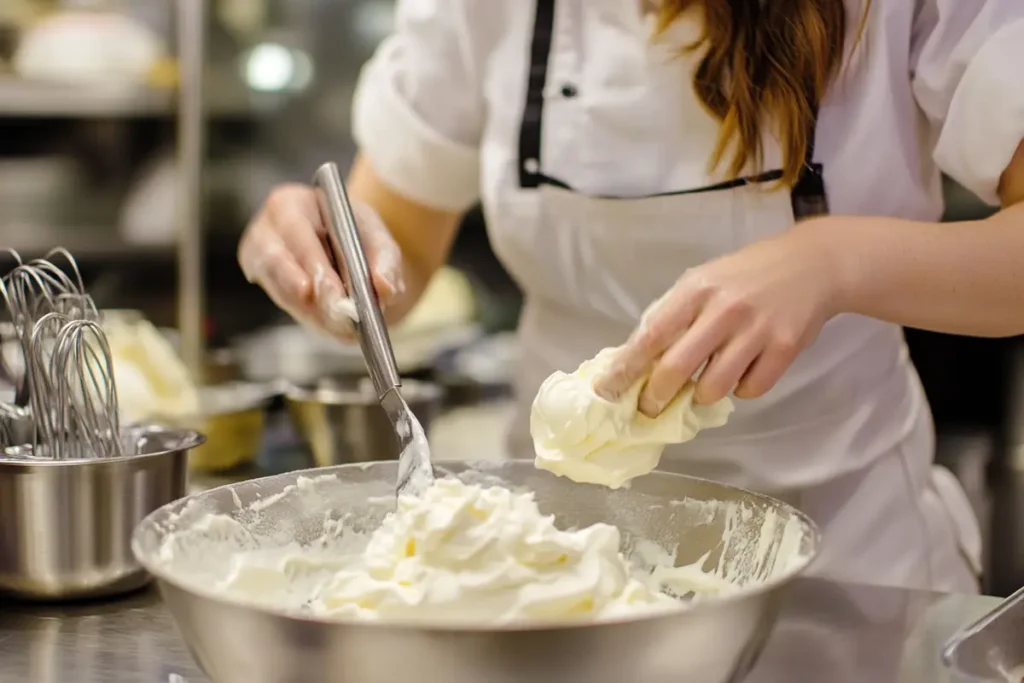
(968, 62)
(417, 110)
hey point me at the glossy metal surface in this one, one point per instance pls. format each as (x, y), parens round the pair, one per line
(826, 633)
(65, 526)
(232, 417)
(345, 423)
(712, 642)
(66, 366)
(991, 649)
(347, 248)
(415, 472)
(191, 20)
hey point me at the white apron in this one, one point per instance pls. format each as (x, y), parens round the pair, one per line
(846, 435)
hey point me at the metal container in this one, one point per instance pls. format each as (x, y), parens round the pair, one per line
(294, 354)
(233, 420)
(479, 372)
(991, 650)
(65, 526)
(343, 422)
(300, 356)
(715, 641)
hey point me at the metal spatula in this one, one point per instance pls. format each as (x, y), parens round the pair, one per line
(415, 473)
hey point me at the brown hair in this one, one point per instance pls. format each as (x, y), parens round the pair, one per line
(765, 61)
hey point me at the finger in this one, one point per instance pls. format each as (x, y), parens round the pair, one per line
(295, 218)
(727, 367)
(384, 259)
(335, 310)
(314, 324)
(267, 262)
(765, 372)
(382, 252)
(655, 334)
(680, 363)
(289, 300)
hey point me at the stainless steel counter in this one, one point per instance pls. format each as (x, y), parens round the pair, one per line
(829, 633)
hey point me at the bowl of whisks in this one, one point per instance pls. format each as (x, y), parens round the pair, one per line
(74, 482)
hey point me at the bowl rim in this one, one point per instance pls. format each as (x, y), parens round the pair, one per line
(257, 397)
(951, 647)
(760, 590)
(191, 438)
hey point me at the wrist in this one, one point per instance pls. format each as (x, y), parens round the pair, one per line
(834, 247)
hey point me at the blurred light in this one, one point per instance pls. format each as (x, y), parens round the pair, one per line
(269, 68)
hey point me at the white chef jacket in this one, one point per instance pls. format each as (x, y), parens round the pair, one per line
(439, 112)
(939, 87)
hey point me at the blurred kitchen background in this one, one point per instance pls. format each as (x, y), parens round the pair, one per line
(89, 158)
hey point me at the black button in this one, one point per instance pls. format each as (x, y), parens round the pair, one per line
(569, 90)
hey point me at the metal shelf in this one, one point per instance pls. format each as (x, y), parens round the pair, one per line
(95, 243)
(24, 98)
(82, 241)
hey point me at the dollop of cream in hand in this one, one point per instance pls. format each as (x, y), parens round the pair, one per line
(586, 438)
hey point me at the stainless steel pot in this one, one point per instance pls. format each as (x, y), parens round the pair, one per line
(343, 422)
(716, 641)
(65, 526)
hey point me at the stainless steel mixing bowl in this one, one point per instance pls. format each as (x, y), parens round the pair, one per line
(66, 526)
(716, 641)
(342, 421)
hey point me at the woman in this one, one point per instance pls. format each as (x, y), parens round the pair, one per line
(616, 167)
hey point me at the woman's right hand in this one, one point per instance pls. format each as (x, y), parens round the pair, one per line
(285, 251)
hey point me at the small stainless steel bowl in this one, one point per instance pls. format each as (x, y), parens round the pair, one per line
(342, 422)
(232, 417)
(66, 526)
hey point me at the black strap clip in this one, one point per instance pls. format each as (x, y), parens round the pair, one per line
(809, 196)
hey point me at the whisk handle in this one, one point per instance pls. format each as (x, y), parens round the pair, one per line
(347, 247)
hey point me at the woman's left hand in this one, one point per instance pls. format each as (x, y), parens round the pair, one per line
(746, 316)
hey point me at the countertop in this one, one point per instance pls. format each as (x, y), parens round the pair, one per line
(828, 633)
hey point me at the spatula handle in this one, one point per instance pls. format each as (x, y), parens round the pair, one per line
(350, 258)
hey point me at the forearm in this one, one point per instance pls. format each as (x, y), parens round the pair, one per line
(1011, 185)
(425, 235)
(962, 278)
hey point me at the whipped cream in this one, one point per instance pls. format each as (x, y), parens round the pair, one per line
(579, 435)
(467, 553)
(460, 554)
(152, 381)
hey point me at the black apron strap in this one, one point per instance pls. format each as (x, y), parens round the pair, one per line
(808, 195)
(533, 111)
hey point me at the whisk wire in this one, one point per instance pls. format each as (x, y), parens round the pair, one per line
(72, 402)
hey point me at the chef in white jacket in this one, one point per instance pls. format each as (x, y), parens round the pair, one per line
(617, 168)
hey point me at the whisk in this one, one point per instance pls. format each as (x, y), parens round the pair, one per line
(65, 404)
